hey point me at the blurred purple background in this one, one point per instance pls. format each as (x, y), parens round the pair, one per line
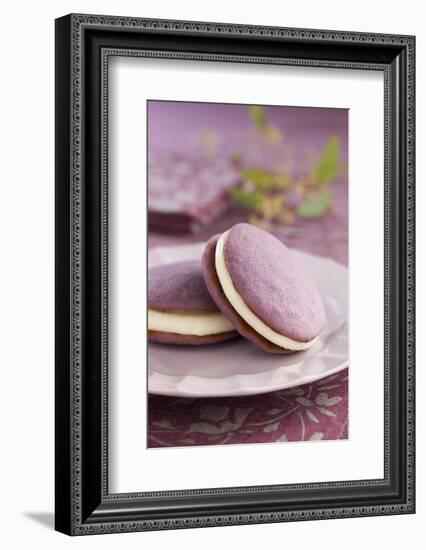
(188, 143)
(176, 126)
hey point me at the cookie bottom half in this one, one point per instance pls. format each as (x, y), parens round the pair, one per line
(189, 339)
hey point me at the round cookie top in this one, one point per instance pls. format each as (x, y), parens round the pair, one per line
(273, 283)
(179, 287)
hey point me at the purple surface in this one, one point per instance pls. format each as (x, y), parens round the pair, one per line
(316, 411)
(179, 287)
(273, 284)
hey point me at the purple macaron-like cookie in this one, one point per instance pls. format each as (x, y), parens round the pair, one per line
(260, 285)
(180, 308)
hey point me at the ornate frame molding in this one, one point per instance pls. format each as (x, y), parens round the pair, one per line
(72, 46)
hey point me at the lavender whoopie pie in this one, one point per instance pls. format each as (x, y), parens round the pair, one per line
(180, 308)
(263, 289)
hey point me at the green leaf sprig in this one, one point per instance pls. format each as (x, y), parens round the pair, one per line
(315, 207)
(270, 132)
(264, 191)
(328, 168)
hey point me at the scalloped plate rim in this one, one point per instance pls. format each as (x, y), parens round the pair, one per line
(190, 385)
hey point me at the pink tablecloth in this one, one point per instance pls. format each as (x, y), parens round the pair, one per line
(310, 412)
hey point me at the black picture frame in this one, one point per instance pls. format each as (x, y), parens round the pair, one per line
(83, 46)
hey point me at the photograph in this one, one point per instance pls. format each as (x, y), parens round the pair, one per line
(247, 273)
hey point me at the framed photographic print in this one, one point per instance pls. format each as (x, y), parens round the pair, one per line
(234, 274)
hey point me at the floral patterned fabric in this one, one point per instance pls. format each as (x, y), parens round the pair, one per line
(317, 411)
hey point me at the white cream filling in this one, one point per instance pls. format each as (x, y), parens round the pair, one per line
(243, 310)
(200, 323)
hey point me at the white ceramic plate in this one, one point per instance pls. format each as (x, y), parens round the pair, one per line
(237, 367)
